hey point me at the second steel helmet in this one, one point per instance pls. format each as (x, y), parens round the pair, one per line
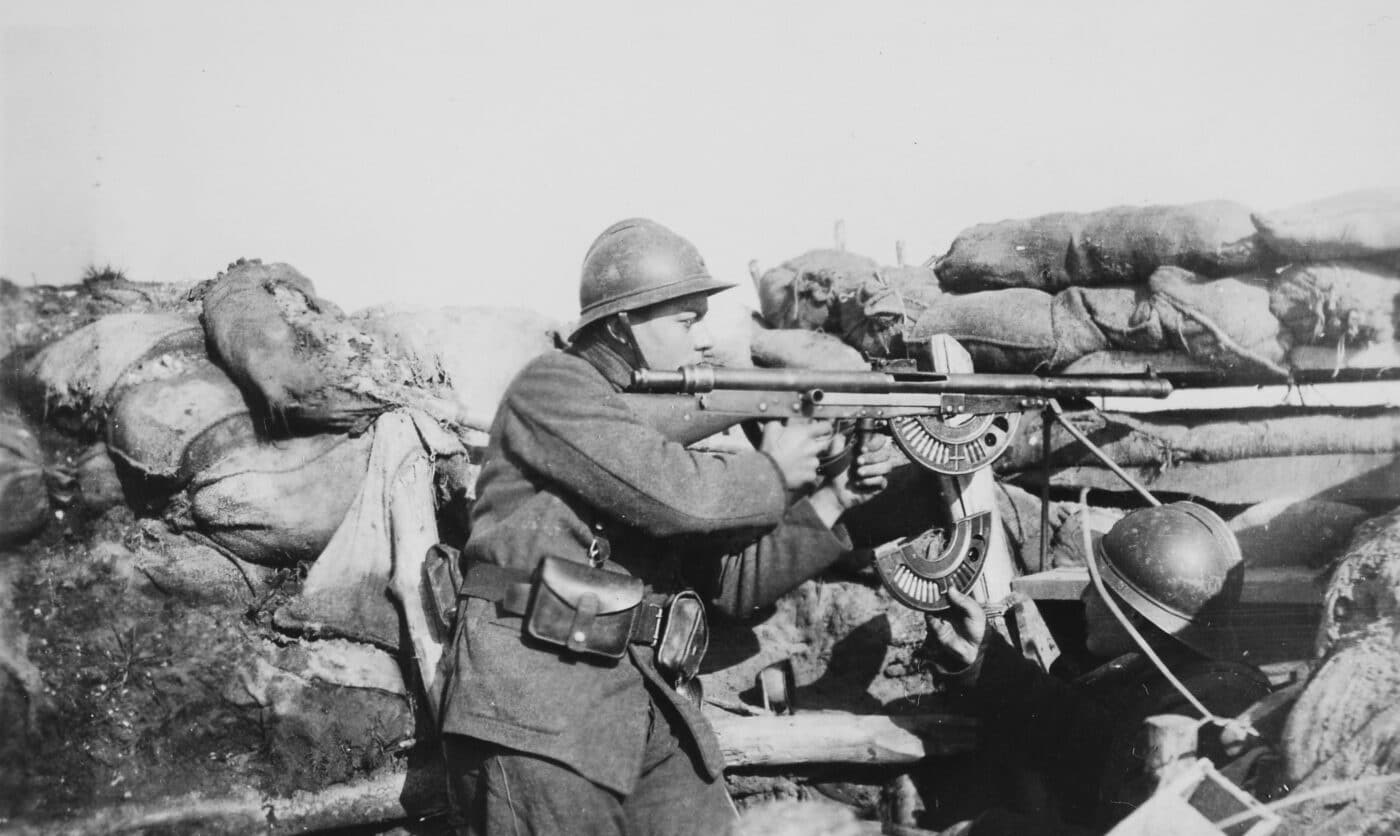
(1179, 567)
(636, 263)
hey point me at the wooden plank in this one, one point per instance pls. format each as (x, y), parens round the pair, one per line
(1343, 477)
(841, 737)
(1262, 585)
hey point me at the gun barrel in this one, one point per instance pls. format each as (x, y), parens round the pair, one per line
(700, 379)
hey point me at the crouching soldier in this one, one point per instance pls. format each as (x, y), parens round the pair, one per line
(569, 701)
(1175, 571)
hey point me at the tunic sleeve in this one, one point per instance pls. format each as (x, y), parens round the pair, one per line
(566, 424)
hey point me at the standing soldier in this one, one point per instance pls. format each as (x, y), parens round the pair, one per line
(569, 702)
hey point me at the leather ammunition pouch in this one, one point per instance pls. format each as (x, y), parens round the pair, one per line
(442, 573)
(587, 611)
(685, 636)
(595, 614)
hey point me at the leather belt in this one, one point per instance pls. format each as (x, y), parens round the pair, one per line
(510, 589)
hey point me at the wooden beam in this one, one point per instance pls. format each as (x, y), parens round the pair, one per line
(1262, 585)
(841, 737)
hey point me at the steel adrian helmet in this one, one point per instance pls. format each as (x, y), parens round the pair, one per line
(636, 263)
(1179, 567)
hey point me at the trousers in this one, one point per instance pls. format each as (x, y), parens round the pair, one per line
(498, 791)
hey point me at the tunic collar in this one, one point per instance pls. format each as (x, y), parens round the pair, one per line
(604, 357)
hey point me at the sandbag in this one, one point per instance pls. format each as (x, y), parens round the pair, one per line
(1004, 330)
(1294, 532)
(1165, 439)
(182, 416)
(848, 295)
(1223, 322)
(308, 366)
(1346, 723)
(1359, 224)
(1121, 245)
(1365, 586)
(24, 500)
(1347, 306)
(99, 486)
(474, 351)
(32, 316)
(1020, 513)
(70, 381)
(278, 502)
(782, 348)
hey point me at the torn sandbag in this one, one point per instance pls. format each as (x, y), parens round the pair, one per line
(1165, 439)
(1225, 323)
(1348, 306)
(1120, 245)
(24, 498)
(298, 359)
(1004, 330)
(1359, 224)
(376, 555)
(69, 381)
(175, 417)
(1292, 531)
(277, 502)
(847, 295)
(796, 348)
(473, 351)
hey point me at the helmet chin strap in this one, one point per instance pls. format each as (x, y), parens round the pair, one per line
(627, 339)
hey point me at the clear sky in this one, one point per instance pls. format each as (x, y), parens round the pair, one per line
(469, 152)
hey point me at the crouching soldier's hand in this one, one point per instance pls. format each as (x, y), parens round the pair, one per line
(850, 486)
(955, 634)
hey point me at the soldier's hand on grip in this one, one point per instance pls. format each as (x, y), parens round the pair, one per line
(867, 475)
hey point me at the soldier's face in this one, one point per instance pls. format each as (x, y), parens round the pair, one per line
(673, 334)
(1104, 636)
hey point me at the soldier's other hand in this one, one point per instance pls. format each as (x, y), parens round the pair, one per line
(955, 635)
(866, 476)
(794, 446)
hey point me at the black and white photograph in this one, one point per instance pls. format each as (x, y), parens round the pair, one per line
(699, 419)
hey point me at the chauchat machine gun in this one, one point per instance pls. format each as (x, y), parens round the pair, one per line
(951, 424)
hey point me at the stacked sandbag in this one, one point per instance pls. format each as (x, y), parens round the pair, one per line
(1121, 245)
(848, 295)
(1359, 225)
(1004, 331)
(36, 315)
(276, 502)
(306, 365)
(1227, 457)
(70, 382)
(1338, 313)
(473, 351)
(1289, 531)
(24, 499)
(1167, 439)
